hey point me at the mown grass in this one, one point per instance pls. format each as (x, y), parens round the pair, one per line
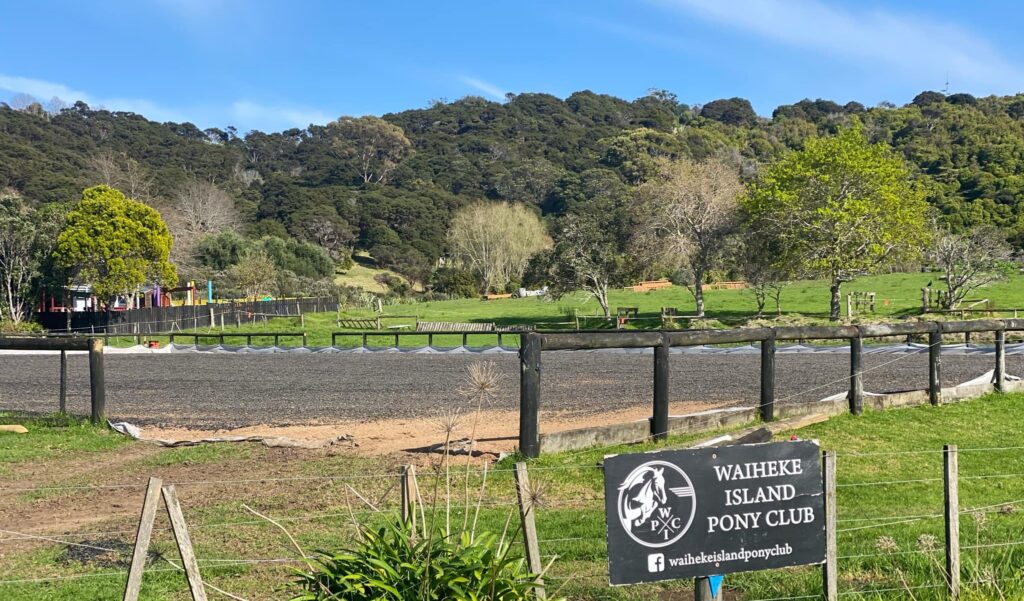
(897, 295)
(889, 473)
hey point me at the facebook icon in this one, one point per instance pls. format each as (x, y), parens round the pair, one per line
(655, 562)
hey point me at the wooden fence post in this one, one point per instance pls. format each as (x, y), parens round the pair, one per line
(856, 394)
(529, 395)
(999, 376)
(97, 386)
(702, 590)
(142, 536)
(181, 537)
(952, 510)
(767, 407)
(63, 398)
(935, 365)
(659, 417)
(528, 518)
(830, 573)
(409, 493)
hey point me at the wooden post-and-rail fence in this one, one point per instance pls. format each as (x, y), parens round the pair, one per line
(532, 344)
(94, 346)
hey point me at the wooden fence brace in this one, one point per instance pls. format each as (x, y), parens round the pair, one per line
(529, 395)
(659, 416)
(63, 398)
(856, 394)
(767, 407)
(830, 569)
(999, 375)
(529, 522)
(142, 536)
(181, 537)
(952, 510)
(97, 386)
(935, 365)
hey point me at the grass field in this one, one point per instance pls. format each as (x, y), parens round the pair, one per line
(889, 473)
(897, 295)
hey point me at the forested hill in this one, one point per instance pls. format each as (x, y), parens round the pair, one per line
(391, 190)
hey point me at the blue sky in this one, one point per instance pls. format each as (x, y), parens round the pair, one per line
(273, 65)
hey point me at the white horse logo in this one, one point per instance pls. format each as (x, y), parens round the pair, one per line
(639, 507)
(644, 499)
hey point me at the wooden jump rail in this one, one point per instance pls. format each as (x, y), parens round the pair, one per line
(396, 336)
(277, 336)
(532, 344)
(94, 345)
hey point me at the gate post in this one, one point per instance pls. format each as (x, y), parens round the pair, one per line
(856, 375)
(767, 407)
(97, 387)
(999, 377)
(935, 365)
(659, 418)
(529, 395)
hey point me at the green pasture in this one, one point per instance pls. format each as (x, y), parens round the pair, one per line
(889, 475)
(805, 302)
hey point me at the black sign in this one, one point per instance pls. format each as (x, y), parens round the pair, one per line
(688, 513)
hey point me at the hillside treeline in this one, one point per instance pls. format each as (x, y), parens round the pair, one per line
(391, 186)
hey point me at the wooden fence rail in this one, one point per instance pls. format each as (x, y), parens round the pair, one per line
(532, 344)
(365, 337)
(94, 346)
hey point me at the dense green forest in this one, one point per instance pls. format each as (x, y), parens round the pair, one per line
(390, 186)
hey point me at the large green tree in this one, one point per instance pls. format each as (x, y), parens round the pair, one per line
(840, 208)
(115, 244)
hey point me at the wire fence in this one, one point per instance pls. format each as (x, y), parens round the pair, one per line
(570, 526)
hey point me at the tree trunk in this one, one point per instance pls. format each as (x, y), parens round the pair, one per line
(698, 290)
(833, 312)
(601, 292)
(761, 296)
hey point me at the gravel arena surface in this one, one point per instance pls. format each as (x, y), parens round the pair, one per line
(220, 391)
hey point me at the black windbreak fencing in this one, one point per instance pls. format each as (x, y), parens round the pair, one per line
(168, 319)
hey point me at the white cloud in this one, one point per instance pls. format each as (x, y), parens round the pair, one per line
(45, 90)
(916, 47)
(484, 87)
(244, 113)
(42, 90)
(277, 117)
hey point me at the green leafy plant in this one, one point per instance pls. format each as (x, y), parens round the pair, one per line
(384, 565)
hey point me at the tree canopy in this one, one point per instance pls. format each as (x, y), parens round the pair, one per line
(839, 208)
(115, 244)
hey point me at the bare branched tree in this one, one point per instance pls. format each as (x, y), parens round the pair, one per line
(202, 208)
(118, 170)
(692, 208)
(496, 240)
(970, 261)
